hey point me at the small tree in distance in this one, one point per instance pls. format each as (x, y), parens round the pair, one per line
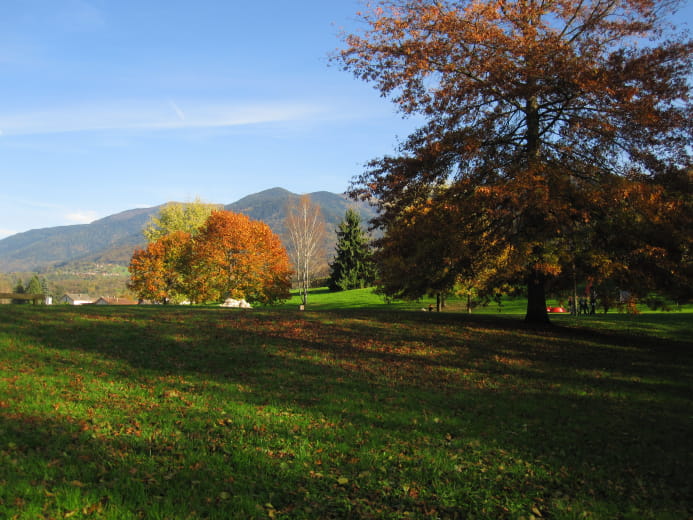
(19, 289)
(353, 266)
(306, 238)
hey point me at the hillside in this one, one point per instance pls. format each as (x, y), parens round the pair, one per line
(112, 239)
(270, 205)
(40, 249)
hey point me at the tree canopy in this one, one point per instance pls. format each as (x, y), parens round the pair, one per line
(162, 271)
(175, 216)
(238, 257)
(557, 137)
(229, 256)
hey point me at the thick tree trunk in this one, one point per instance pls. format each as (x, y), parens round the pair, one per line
(536, 281)
(536, 299)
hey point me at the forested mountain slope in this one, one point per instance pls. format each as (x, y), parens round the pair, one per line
(112, 239)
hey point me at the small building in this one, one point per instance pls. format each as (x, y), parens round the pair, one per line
(112, 300)
(75, 299)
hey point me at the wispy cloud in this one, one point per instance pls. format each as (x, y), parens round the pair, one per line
(177, 110)
(153, 116)
(81, 217)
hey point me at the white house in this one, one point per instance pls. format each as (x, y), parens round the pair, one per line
(75, 299)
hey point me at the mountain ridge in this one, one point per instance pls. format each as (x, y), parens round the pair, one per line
(113, 238)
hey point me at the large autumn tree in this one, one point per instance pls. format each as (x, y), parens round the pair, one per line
(161, 272)
(237, 257)
(230, 255)
(560, 132)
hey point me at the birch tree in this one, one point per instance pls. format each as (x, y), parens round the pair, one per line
(306, 228)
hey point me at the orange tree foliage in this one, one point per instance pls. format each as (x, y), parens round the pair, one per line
(237, 257)
(560, 131)
(230, 256)
(428, 250)
(161, 271)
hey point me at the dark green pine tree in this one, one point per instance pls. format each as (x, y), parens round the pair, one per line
(44, 287)
(353, 267)
(19, 289)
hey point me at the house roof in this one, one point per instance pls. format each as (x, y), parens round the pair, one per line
(112, 300)
(78, 296)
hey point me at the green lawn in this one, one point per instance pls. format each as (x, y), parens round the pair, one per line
(342, 411)
(323, 299)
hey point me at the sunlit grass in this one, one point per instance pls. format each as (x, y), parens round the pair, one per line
(180, 412)
(368, 298)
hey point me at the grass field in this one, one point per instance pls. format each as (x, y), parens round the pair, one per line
(342, 411)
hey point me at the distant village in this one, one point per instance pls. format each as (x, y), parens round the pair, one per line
(66, 299)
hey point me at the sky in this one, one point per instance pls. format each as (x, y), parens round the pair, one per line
(110, 105)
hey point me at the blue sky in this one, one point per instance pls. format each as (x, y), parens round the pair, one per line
(109, 105)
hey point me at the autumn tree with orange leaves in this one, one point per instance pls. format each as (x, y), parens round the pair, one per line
(428, 251)
(557, 137)
(237, 257)
(161, 271)
(229, 256)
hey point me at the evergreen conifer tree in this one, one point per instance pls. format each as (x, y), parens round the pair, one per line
(34, 286)
(44, 287)
(19, 289)
(353, 267)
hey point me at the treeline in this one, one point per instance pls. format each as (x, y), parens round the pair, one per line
(89, 278)
(32, 286)
(198, 253)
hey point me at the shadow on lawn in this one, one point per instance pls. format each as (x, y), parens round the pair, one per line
(55, 465)
(606, 417)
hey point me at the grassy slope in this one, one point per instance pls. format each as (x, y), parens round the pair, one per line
(352, 413)
(323, 299)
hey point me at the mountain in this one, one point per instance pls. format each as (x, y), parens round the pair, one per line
(112, 239)
(39, 249)
(270, 205)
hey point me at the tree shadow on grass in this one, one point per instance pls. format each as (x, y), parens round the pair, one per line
(54, 465)
(354, 388)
